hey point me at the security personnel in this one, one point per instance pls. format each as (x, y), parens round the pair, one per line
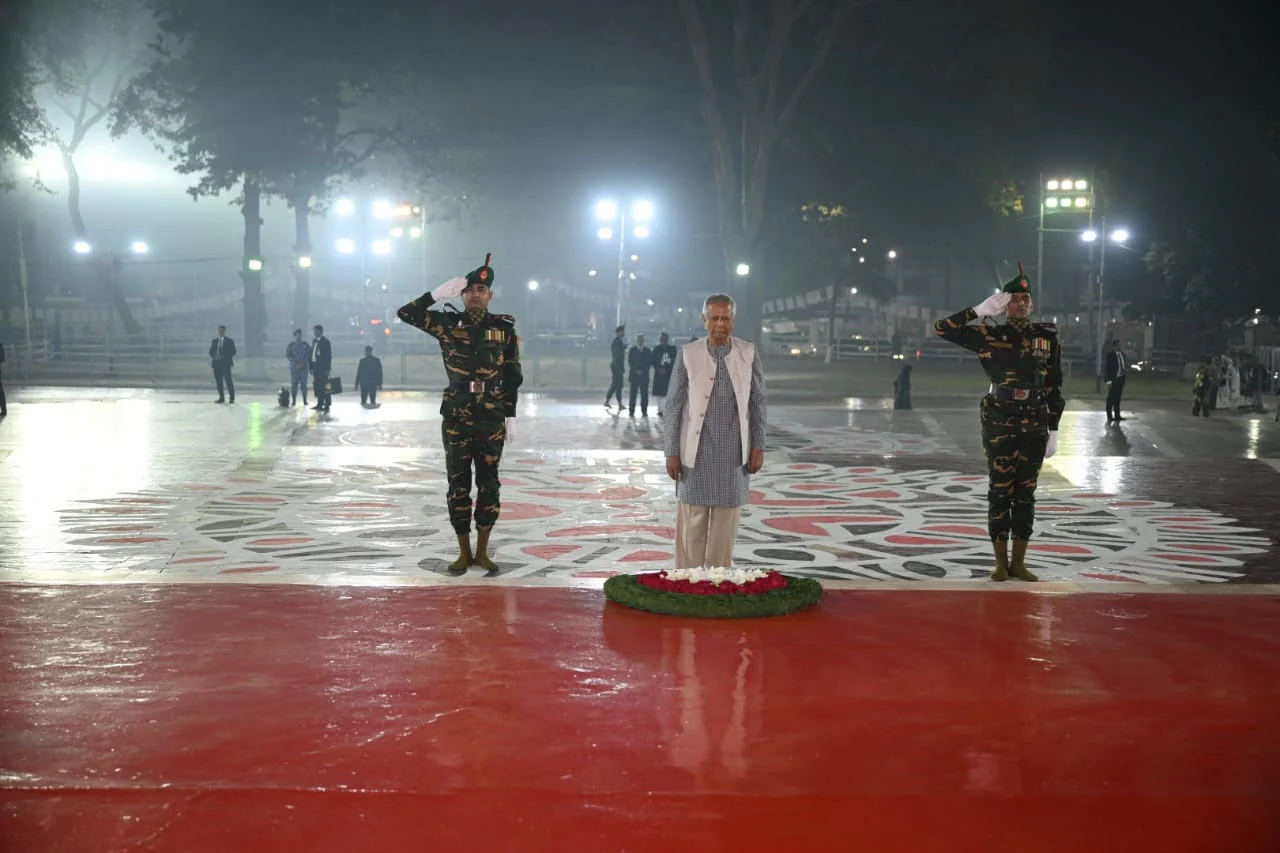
(1200, 393)
(1020, 414)
(482, 360)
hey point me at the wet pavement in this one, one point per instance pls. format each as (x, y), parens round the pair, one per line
(242, 610)
(144, 487)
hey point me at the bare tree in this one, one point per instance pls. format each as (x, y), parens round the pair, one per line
(82, 80)
(775, 51)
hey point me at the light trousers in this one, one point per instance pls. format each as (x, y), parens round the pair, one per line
(705, 535)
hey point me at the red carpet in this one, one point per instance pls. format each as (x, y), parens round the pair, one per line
(291, 718)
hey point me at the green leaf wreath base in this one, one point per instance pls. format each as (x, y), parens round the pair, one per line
(798, 594)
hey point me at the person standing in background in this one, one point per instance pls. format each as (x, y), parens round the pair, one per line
(639, 360)
(222, 351)
(298, 354)
(617, 364)
(321, 364)
(664, 360)
(369, 378)
(1117, 367)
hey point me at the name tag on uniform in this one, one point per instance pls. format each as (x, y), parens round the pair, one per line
(1040, 347)
(495, 335)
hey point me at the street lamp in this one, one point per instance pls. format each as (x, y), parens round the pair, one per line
(344, 207)
(1119, 236)
(1064, 194)
(893, 254)
(609, 212)
(345, 246)
(81, 247)
(381, 247)
(533, 285)
(138, 247)
(304, 262)
(743, 269)
(255, 265)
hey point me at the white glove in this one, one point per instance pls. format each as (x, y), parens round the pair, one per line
(993, 305)
(450, 289)
(1052, 446)
(511, 431)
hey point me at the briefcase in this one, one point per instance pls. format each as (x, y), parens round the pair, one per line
(334, 385)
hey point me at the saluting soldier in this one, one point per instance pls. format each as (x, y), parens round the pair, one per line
(482, 360)
(1020, 413)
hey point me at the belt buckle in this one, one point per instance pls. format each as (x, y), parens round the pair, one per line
(475, 387)
(1021, 394)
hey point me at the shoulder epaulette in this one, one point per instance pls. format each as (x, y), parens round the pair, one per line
(505, 319)
(1045, 327)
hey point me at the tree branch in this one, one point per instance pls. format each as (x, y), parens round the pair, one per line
(711, 110)
(726, 166)
(742, 45)
(829, 36)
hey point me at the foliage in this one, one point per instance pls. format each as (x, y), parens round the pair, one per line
(798, 594)
(21, 120)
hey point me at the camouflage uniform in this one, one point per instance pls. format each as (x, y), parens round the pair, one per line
(477, 347)
(1022, 359)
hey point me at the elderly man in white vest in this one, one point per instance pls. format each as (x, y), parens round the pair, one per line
(715, 415)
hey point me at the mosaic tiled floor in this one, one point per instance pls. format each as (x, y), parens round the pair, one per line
(358, 499)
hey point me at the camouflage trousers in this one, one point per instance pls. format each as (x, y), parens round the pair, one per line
(467, 444)
(1014, 457)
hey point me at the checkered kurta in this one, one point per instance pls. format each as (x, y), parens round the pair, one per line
(720, 478)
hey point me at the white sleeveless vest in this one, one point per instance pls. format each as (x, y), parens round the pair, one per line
(702, 378)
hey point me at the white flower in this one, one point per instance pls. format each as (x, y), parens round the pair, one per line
(716, 575)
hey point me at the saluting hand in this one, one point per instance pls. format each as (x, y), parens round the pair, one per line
(451, 288)
(993, 305)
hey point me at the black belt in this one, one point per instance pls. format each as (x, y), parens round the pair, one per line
(1020, 396)
(474, 387)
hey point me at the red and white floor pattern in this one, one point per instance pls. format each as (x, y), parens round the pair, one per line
(376, 516)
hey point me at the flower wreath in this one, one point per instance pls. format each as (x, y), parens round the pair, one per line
(714, 592)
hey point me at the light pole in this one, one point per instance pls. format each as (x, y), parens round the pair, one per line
(1060, 195)
(1119, 236)
(612, 215)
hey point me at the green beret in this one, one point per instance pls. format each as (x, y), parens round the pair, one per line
(482, 274)
(1019, 284)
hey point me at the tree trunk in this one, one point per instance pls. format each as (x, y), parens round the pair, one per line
(302, 249)
(255, 320)
(102, 269)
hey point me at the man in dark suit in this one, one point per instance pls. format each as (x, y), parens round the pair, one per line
(223, 353)
(321, 362)
(369, 378)
(639, 361)
(1117, 367)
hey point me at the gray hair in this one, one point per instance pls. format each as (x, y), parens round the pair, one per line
(720, 299)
